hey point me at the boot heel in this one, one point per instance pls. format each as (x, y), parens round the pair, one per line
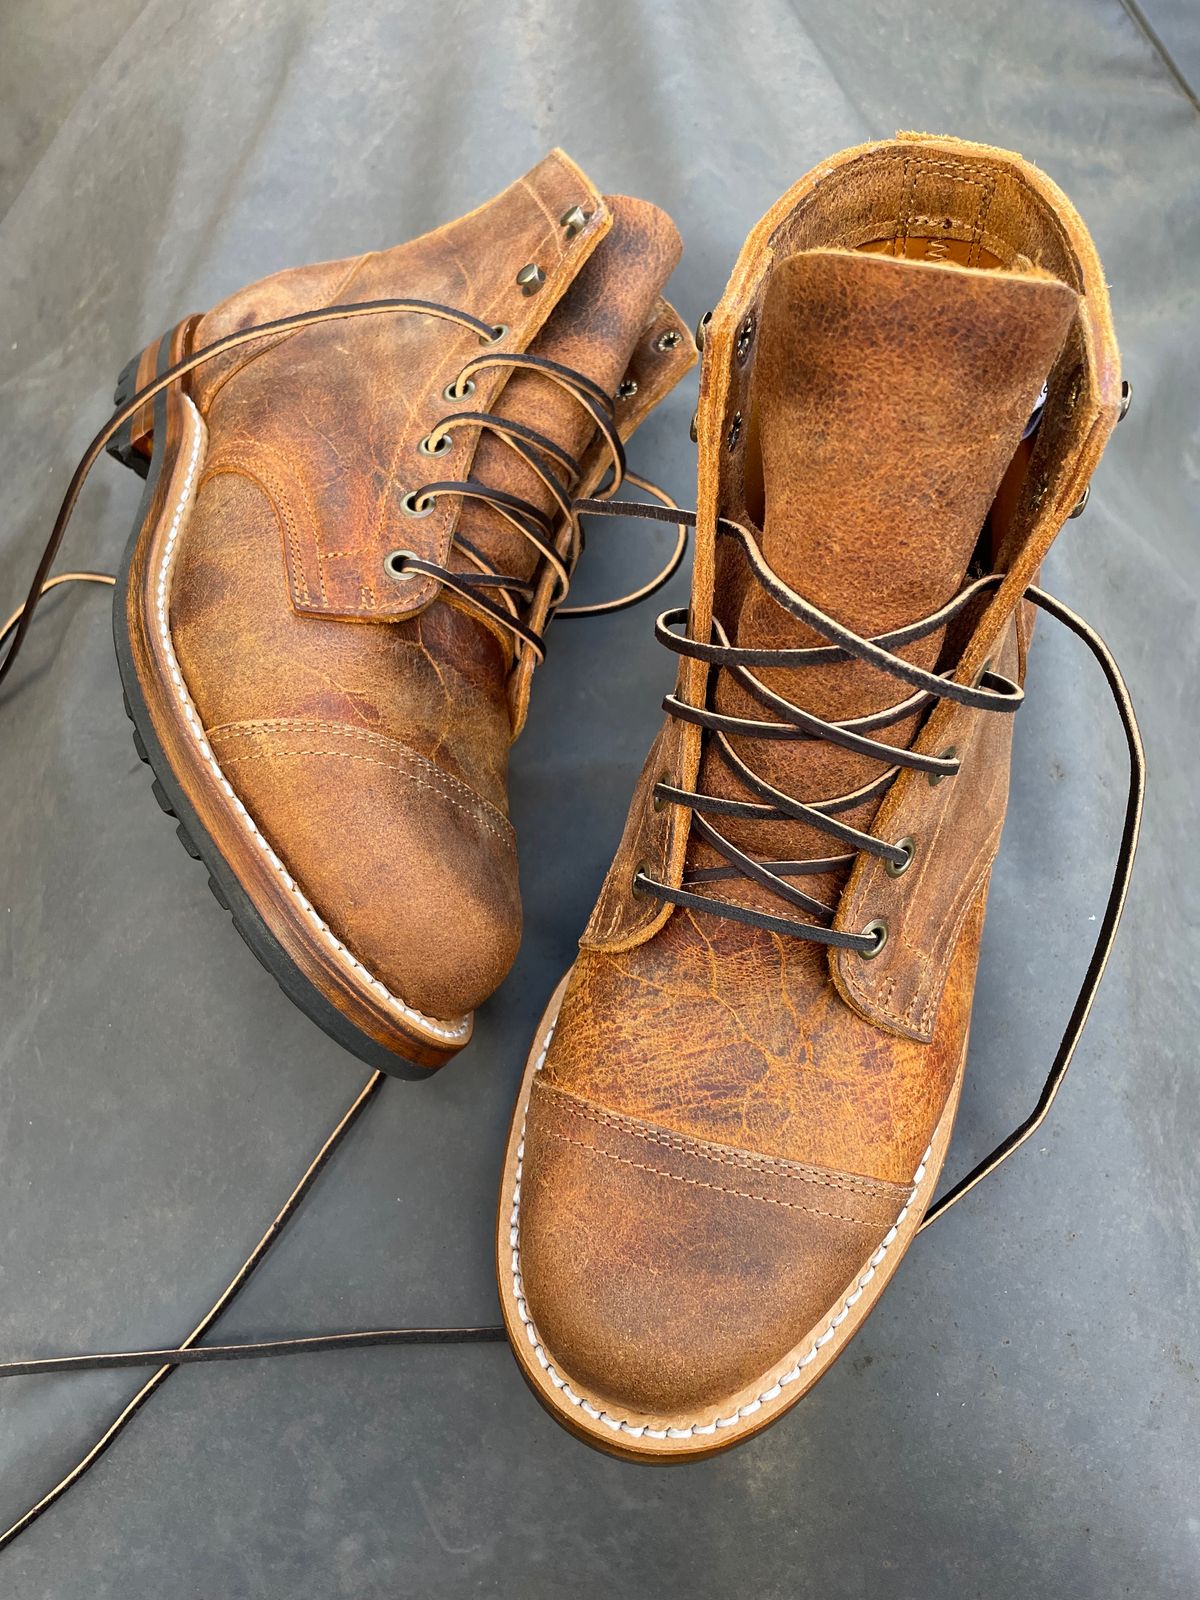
(133, 444)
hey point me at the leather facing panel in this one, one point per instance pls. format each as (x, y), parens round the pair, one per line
(652, 372)
(956, 826)
(337, 490)
(903, 991)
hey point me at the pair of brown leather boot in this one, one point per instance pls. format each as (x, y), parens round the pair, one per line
(362, 511)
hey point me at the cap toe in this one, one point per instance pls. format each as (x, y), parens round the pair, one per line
(663, 1273)
(411, 869)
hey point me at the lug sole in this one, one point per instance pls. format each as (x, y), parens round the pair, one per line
(149, 444)
(766, 1399)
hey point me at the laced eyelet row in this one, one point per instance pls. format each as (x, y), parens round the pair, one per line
(547, 460)
(989, 692)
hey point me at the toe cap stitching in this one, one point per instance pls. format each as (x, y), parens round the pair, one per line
(699, 1183)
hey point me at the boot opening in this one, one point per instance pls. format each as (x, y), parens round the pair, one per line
(968, 209)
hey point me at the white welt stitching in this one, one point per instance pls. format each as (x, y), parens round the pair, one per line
(618, 1424)
(444, 1030)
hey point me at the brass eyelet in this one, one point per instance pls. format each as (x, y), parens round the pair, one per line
(877, 930)
(627, 389)
(735, 430)
(457, 391)
(668, 340)
(1080, 505)
(745, 339)
(429, 446)
(499, 332)
(417, 505)
(702, 329)
(948, 754)
(896, 869)
(642, 870)
(662, 801)
(393, 565)
(1126, 399)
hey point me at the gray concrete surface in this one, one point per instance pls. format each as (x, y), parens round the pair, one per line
(1019, 1417)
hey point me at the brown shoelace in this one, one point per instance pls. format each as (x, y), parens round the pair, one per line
(992, 693)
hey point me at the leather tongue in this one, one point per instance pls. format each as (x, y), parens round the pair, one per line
(593, 330)
(889, 398)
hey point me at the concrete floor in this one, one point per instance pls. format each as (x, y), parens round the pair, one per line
(1019, 1417)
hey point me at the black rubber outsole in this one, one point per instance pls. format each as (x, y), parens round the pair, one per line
(225, 886)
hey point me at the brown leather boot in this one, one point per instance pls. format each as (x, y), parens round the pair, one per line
(740, 1098)
(356, 526)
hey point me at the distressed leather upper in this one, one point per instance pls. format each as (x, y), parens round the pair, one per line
(866, 384)
(365, 723)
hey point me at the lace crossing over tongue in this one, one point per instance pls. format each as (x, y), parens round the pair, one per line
(889, 398)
